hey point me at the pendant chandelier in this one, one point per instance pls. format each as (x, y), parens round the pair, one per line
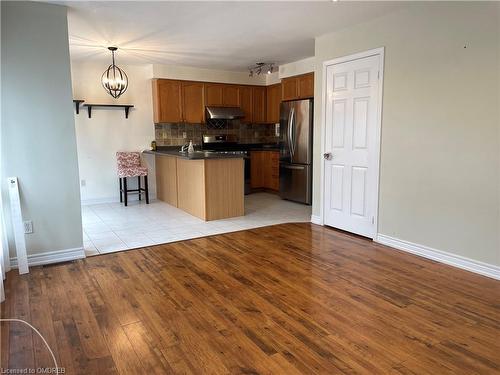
(114, 80)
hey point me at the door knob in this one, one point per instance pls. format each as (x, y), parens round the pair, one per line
(327, 155)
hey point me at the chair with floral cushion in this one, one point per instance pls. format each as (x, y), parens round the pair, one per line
(129, 165)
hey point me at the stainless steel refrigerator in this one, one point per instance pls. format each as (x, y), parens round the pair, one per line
(296, 128)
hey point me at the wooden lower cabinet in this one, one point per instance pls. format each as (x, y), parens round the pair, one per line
(190, 186)
(224, 188)
(166, 179)
(264, 170)
(210, 189)
(256, 173)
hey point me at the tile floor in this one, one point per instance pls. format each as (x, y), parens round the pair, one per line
(113, 227)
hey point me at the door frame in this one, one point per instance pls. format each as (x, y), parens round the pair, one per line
(356, 56)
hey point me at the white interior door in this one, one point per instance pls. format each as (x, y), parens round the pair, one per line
(352, 145)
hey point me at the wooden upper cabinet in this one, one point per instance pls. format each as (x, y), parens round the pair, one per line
(230, 96)
(290, 89)
(246, 103)
(167, 102)
(222, 95)
(193, 102)
(259, 104)
(178, 101)
(273, 103)
(213, 94)
(305, 86)
(298, 87)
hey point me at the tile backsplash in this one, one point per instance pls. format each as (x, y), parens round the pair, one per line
(173, 134)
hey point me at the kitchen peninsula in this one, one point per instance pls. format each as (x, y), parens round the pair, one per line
(205, 184)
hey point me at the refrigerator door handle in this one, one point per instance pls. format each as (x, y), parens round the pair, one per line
(292, 132)
(299, 167)
(289, 135)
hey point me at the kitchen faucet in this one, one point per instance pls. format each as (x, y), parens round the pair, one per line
(184, 147)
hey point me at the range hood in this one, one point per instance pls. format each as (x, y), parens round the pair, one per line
(224, 113)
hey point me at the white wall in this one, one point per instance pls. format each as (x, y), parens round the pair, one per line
(439, 182)
(38, 133)
(100, 137)
(296, 68)
(207, 75)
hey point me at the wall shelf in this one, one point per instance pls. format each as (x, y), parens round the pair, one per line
(77, 105)
(126, 107)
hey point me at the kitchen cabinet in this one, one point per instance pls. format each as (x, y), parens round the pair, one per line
(246, 103)
(273, 103)
(213, 94)
(185, 101)
(230, 96)
(211, 189)
(298, 87)
(166, 179)
(305, 86)
(259, 104)
(264, 170)
(272, 176)
(219, 94)
(289, 88)
(167, 101)
(256, 173)
(193, 102)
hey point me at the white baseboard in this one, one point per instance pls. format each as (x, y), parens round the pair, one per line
(52, 257)
(468, 264)
(315, 219)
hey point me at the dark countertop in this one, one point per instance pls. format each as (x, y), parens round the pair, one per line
(197, 155)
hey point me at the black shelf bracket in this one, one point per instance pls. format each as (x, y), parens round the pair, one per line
(77, 105)
(126, 107)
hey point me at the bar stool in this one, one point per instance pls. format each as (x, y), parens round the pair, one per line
(129, 165)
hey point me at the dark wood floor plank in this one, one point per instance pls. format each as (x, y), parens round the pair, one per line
(286, 299)
(21, 336)
(91, 338)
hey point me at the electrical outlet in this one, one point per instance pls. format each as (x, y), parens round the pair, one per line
(28, 226)
(83, 183)
(184, 135)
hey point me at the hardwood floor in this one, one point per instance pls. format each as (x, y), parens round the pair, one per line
(287, 299)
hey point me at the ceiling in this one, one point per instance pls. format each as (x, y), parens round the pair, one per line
(217, 35)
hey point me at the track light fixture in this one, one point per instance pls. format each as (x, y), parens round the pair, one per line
(261, 67)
